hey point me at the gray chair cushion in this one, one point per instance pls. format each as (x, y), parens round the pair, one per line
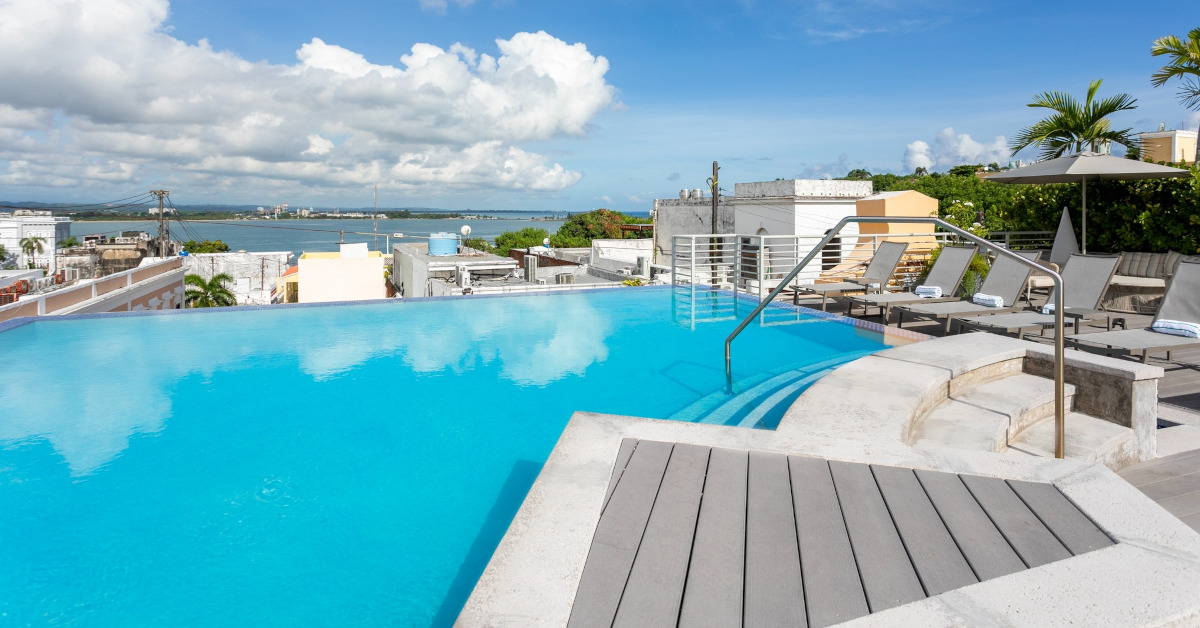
(1138, 264)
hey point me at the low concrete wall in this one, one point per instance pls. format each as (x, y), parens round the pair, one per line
(113, 293)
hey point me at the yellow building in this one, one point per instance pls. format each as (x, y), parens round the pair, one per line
(350, 274)
(1169, 146)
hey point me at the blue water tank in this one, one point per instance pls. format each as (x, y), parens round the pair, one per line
(443, 244)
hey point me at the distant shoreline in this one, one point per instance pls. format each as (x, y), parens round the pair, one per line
(154, 219)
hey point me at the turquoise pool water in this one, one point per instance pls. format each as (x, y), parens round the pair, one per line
(342, 465)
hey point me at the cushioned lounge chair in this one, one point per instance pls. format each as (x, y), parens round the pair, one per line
(1180, 303)
(1006, 280)
(879, 271)
(1085, 279)
(947, 274)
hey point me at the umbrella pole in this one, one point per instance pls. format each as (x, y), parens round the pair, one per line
(1084, 234)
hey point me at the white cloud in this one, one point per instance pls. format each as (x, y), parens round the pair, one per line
(1192, 121)
(950, 149)
(440, 6)
(98, 91)
(838, 168)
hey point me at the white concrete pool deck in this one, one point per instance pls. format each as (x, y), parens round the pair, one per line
(1151, 576)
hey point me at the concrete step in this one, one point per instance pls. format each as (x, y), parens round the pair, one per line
(961, 425)
(986, 416)
(1087, 438)
(1025, 399)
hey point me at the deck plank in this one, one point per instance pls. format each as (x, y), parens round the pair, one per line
(1031, 539)
(833, 590)
(887, 575)
(1073, 528)
(774, 593)
(618, 535)
(987, 551)
(655, 588)
(1182, 482)
(713, 594)
(938, 561)
(623, 454)
(1182, 505)
(1146, 473)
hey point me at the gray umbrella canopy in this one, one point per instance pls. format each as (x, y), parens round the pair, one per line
(1081, 167)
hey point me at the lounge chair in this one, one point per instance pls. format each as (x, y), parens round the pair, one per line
(879, 271)
(1085, 279)
(1180, 303)
(1006, 280)
(946, 274)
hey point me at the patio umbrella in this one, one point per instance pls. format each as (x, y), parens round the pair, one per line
(1081, 167)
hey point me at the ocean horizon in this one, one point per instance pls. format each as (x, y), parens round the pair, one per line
(316, 235)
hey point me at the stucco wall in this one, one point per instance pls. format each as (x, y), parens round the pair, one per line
(341, 279)
(674, 217)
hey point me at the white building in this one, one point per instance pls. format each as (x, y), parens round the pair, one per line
(28, 223)
(787, 207)
(255, 274)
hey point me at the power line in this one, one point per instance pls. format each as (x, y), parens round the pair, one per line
(128, 201)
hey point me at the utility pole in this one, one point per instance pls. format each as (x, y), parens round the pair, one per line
(713, 250)
(375, 216)
(716, 191)
(164, 230)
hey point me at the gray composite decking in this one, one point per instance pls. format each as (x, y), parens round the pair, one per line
(1173, 482)
(700, 536)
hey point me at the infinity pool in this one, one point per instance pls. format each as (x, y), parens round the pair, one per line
(339, 465)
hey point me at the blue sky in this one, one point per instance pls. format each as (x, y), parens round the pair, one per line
(264, 113)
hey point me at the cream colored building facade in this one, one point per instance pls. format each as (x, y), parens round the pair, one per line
(351, 274)
(1169, 146)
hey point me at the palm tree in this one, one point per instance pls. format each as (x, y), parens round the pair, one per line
(32, 245)
(68, 243)
(1074, 126)
(211, 293)
(1185, 65)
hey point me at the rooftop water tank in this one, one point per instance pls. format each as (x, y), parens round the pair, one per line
(443, 244)
(683, 194)
(697, 193)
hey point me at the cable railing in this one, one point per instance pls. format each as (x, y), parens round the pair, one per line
(960, 234)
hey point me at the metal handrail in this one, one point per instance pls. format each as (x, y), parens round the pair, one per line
(1059, 405)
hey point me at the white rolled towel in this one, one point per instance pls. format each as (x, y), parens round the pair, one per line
(1048, 308)
(928, 292)
(1176, 328)
(988, 300)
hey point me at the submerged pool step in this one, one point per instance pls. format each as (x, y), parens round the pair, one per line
(762, 397)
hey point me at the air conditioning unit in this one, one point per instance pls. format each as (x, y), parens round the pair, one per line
(565, 278)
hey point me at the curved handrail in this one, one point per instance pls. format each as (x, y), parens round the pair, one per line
(1059, 404)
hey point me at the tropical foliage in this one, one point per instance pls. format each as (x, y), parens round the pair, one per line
(68, 243)
(205, 246)
(525, 238)
(578, 231)
(1075, 126)
(1153, 215)
(211, 293)
(33, 245)
(1184, 65)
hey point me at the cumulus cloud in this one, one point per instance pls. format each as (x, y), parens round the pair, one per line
(950, 149)
(98, 91)
(830, 170)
